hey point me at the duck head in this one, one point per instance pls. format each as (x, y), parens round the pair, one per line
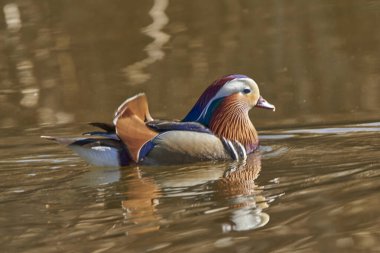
(224, 107)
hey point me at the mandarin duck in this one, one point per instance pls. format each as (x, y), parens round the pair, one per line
(218, 127)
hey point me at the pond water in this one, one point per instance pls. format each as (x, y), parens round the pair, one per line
(312, 187)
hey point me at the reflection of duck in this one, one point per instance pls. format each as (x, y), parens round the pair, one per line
(239, 179)
(234, 188)
(141, 200)
(217, 128)
(246, 201)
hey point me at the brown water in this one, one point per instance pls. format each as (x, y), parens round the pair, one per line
(313, 186)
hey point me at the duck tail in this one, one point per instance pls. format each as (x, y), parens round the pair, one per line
(109, 128)
(96, 151)
(60, 140)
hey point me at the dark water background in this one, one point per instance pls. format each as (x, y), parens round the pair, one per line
(313, 187)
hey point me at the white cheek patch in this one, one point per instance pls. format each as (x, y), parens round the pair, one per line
(229, 88)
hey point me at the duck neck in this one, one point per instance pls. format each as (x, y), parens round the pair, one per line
(231, 121)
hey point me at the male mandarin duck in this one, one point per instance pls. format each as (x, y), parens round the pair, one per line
(218, 127)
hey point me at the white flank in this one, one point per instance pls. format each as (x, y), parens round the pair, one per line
(99, 156)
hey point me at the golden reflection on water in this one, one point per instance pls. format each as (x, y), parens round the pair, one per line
(58, 65)
(135, 72)
(317, 191)
(139, 207)
(239, 188)
(235, 186)
(34, 80)
(12, 17)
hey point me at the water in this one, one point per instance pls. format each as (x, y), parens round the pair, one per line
(306, 190)
(312, 187)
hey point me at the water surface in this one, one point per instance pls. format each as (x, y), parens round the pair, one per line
(306, 190)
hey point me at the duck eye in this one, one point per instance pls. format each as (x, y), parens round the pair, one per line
(246, 90)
